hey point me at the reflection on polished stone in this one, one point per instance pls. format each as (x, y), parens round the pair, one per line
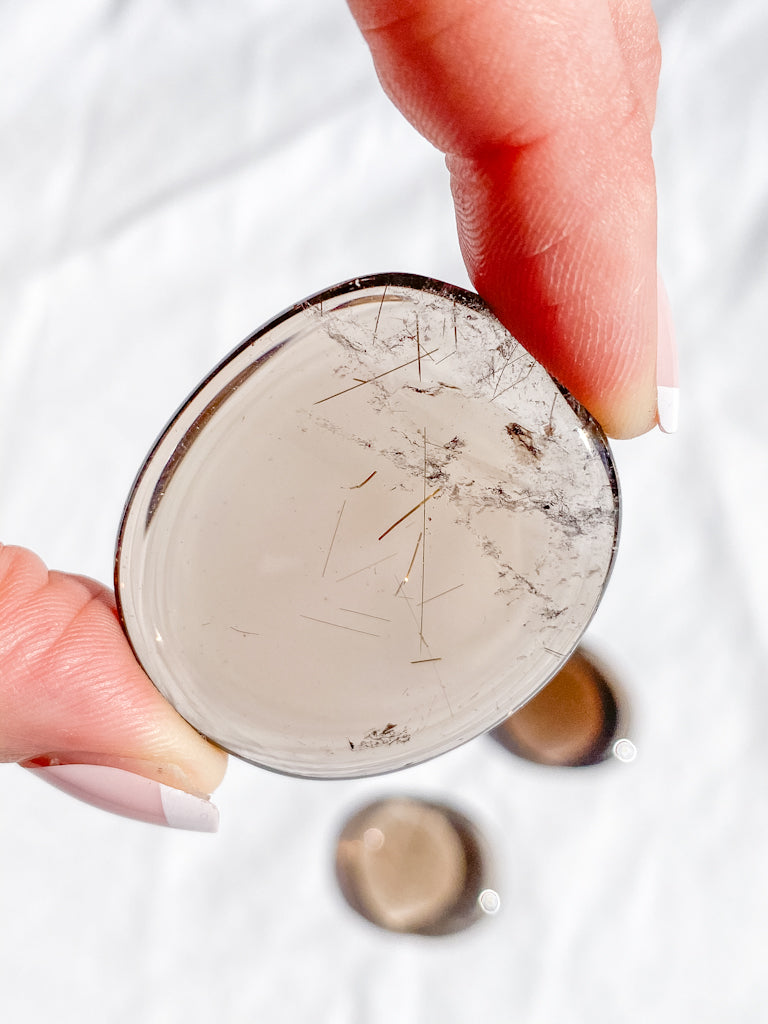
(409, 865)
(578, 719)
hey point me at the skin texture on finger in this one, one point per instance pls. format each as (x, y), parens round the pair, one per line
(70, 685)
(637, 35)
(544, 111)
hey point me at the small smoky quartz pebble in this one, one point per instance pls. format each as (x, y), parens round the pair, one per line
(575, 720)
(409, 865)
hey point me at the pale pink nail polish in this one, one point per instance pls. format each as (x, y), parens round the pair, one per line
(667, 387)
(131, 795)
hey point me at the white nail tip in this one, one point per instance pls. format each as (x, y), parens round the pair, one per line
(131, 795)
(668, 400)
(182, 810)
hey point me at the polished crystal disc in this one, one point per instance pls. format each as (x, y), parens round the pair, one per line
(372, 533)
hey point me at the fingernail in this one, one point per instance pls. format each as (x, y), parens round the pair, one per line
(667, 389)
(131, 795)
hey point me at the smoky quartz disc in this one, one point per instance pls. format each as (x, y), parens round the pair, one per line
(373, 532)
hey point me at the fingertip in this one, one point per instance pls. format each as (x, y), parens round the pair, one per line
(547, 123)
(188, 760)
(624, 417)
(568, 266)
(69, 683)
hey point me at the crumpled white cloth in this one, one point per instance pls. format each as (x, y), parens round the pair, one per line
(172, 174)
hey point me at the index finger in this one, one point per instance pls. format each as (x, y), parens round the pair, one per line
(544, 113)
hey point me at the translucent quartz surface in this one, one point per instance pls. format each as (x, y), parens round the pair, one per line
(410, 865)
(374, 532)
(580, 718)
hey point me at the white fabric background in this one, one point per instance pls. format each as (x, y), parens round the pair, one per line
(171, 175)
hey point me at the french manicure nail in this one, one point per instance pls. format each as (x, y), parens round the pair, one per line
(667, 388)
(131, 795)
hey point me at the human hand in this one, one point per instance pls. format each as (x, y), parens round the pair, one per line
(76, 707)
(544, 110)
(545, 115)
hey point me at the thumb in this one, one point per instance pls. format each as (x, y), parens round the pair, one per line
(544, 110)
(76, 707)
